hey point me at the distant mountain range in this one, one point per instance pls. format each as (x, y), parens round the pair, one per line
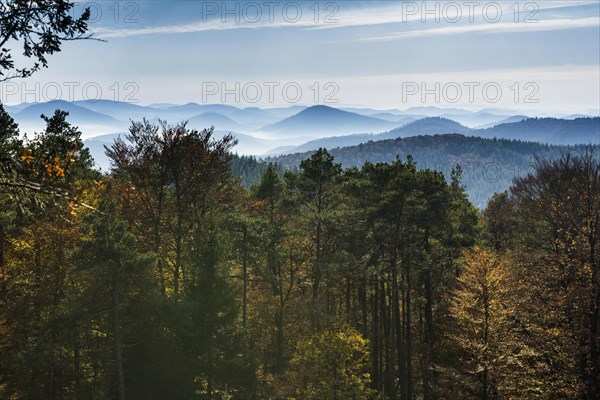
(542, 130)
(488, 152)
(281, 130)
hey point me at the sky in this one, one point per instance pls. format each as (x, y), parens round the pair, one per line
(542, 56)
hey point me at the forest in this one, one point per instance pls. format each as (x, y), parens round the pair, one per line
(489, 164)
(174, 277)
(168, 279)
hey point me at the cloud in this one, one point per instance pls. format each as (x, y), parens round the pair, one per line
(416, 11)
(340, 17)
(489, 28)
(108, 33)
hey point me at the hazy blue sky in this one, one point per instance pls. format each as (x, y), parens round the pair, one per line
(355, 53)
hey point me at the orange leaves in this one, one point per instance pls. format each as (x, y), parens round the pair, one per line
(54, 169)
(27, 157)
(54, 166)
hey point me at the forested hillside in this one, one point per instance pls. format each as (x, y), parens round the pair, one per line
(548, 130)
(489, 165)
(375, 272)
(167, 279)
(541, 130)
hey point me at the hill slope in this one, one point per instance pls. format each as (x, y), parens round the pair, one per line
(322, 120)
(90, 122)
(119, 110)
(77, 114)
(424, 126)
(489, 165)
(548, 130)
(542, 130)
(208, 119)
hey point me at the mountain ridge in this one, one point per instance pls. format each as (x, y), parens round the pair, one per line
(317, 120)
(490, 164)
(542, 130)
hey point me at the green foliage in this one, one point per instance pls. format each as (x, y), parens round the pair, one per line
(119, 288)
(138, 295)
(499, 224)
(108, 249)
(219, 362)
(249, 170)
(351, 283)
(489, 165)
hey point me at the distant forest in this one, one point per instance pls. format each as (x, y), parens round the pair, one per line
(489, 165)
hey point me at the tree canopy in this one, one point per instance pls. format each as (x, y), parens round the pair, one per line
(40, 27)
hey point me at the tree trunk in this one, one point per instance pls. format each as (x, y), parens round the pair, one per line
(388, 372)
(594, 390)
(347, 302)
(408, 333)
(76, 364)
(593, 375)
(316, 277)
(279, 339)
(117, 342)
(402, 362)
(486, 332)
(396, 321)
(157, 240)
(177, 267)
(362, 299)
(427, 378)
(1, 245)
(245, 278)
(375, 338)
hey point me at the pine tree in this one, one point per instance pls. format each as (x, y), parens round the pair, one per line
(119, 273)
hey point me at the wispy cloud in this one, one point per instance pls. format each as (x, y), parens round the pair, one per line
(486, 28)
(109, 33)
(365, 16)
(407, 13)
